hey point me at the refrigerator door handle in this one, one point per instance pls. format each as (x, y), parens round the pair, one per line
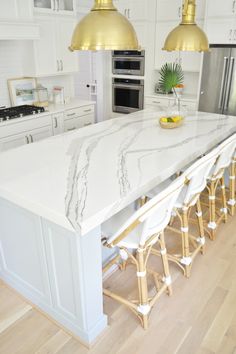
(230, 78)
(223, 82)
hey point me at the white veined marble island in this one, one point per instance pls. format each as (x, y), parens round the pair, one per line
(55, 194)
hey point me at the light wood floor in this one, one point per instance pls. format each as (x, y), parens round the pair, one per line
(199, 318)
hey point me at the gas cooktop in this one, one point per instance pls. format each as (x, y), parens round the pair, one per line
(19, 111)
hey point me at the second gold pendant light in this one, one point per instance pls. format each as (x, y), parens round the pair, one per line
(104, 28)
(187, 36)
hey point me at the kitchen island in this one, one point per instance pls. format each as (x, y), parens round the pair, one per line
(55, 195)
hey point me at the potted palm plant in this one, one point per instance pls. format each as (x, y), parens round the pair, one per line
(171, 76)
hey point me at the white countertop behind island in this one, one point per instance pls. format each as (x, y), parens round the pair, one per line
(79, 179)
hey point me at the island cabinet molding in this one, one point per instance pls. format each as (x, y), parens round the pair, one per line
(54, 268)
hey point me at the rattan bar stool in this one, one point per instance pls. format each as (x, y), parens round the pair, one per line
(135, 234)
(232, 175)
(215, 180)
(195, 182)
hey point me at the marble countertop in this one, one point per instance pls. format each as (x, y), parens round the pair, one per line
(51, 109)
(81, 178)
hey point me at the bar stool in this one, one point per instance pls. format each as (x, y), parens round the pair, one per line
(232, 174)
(195, 182)
(135, 234)
(216, 178)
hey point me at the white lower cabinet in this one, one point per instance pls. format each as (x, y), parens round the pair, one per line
(163, 103)
(25, 132)
(79, 118)
(38, 128)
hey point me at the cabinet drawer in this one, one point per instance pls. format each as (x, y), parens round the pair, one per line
(70, 124)
(156, 101)
(21, 127)
(189, 106)
(80, 111)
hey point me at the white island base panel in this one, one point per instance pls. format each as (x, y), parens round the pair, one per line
(55, 269)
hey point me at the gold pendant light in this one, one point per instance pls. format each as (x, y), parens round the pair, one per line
(187, 36)
(104, 28)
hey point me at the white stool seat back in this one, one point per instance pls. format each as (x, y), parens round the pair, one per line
(226, 153)
(150, 219)
(197, 175)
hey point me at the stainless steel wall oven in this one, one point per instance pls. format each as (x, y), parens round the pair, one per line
(128, 62)
(127, 95)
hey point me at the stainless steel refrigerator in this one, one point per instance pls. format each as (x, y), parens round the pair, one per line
(218, 82)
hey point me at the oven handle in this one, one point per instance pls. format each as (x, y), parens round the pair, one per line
(138, 87)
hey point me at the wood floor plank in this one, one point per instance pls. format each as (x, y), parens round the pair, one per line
(221, 323)
(54, 344)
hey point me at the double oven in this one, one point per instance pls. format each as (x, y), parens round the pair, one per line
(128, 91)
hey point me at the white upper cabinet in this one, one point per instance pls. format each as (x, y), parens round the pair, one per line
(50, 54)
(221, 8)
(171, 10)
(221, 21)
(136, 10)
(16, 10)
(66, 7)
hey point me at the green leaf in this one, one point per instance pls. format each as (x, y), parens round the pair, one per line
(171, 74)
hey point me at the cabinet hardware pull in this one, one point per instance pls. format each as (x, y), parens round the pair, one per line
(88, 110)
(125, 12)
(70, 114)
(57, 5)
(58, 66)
(56, 124)
(179, 11)
(156, 102)
(31, 138)
(86, 124)
(54, 5)
(71, 129)
(62, 67)
(27, 139)
(233, 6)
(128, 13)
(230, 34)
(234, 36)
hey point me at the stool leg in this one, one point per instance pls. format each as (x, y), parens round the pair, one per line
(186, 260)
(165, 263)
(232, 201)
(212, 209)
(200, 225)
(224, 199)
(144, 307)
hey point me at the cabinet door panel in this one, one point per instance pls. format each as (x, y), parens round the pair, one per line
(69, 124)
(220, 8)
(84, 121)
(220, 31)
(169, 10)
(12, 142)
(40, 134)
(162, 56)
(45, 48)
(68, 60)
(22, 252)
